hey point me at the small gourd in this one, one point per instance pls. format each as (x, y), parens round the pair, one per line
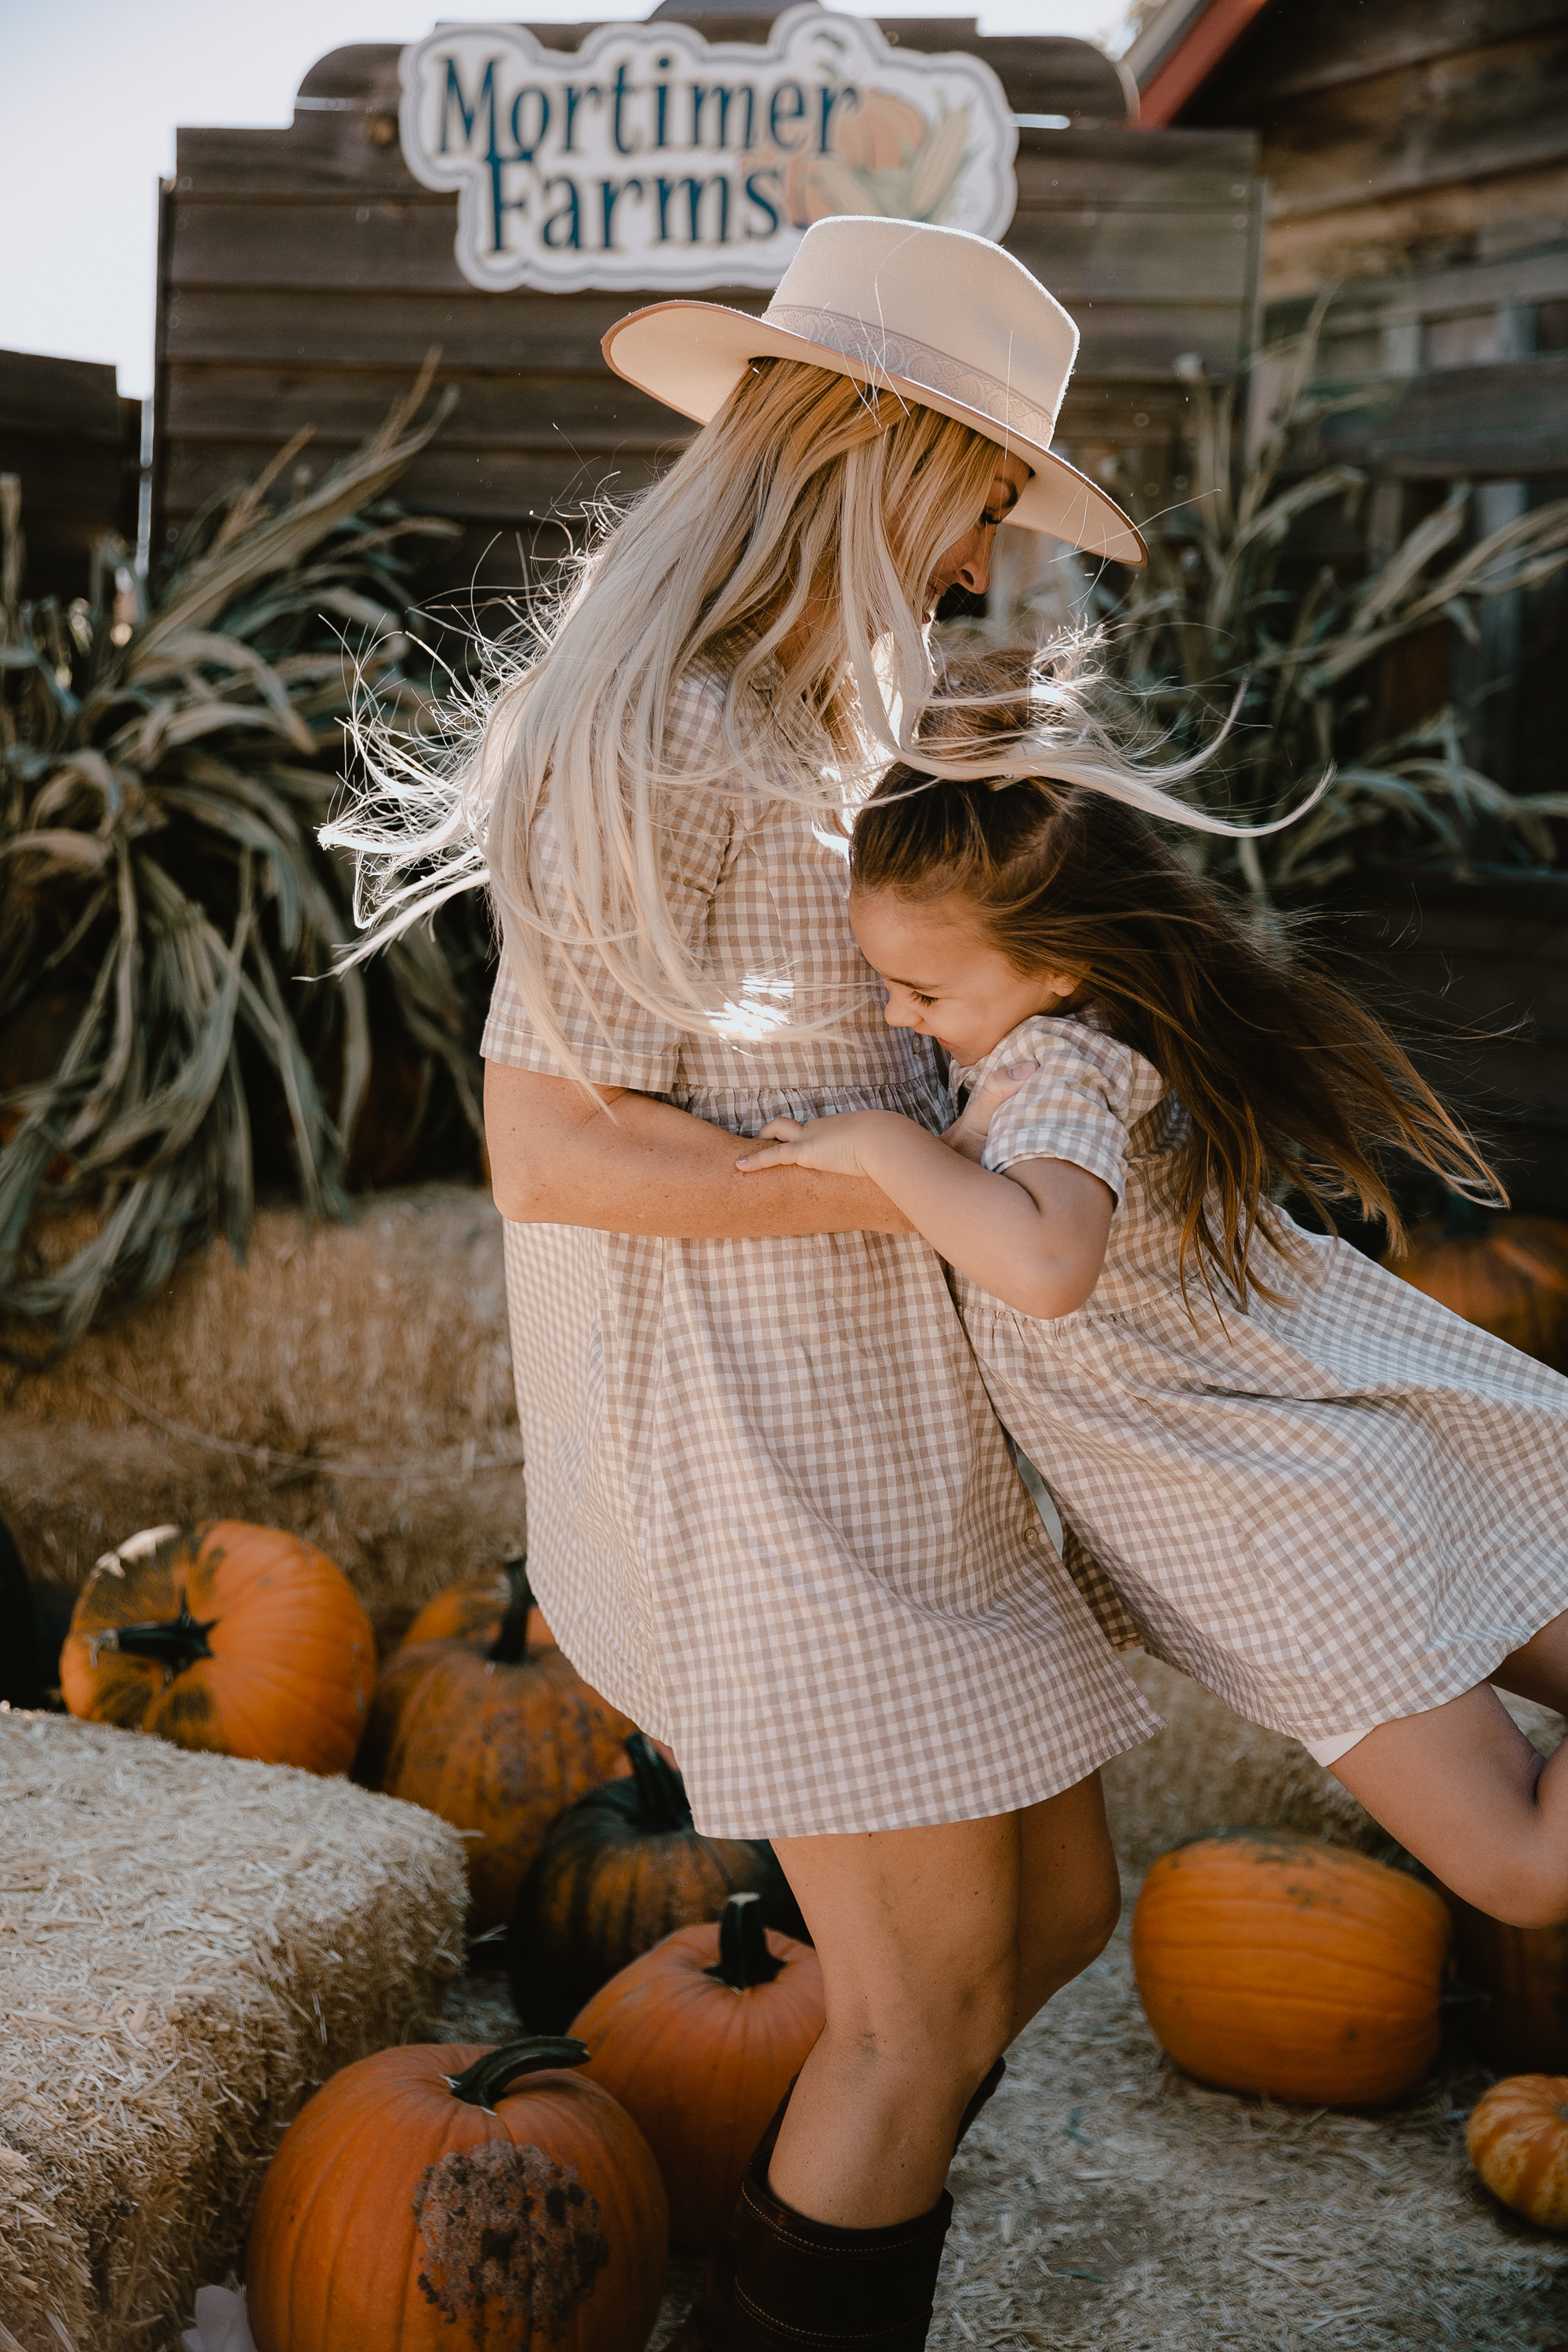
(1517, 2138)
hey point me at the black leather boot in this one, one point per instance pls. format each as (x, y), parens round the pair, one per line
(804, 2286)
(707, 2326)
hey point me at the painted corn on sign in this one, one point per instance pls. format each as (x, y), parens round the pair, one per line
(651, 158)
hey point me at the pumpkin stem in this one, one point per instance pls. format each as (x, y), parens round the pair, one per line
(661, 1792)
(510, 1647)
(479, 2084)
(744, 1960)
(175, 1645)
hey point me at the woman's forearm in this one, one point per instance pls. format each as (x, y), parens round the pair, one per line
(626, 1163)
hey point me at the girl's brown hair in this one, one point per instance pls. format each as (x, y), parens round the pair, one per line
(1287, 1080)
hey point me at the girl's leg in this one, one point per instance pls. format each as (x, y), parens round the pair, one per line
(937, 1945)
(1463, 1789)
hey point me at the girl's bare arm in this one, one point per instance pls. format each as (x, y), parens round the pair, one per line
(1035, 1237)
(558, 1158)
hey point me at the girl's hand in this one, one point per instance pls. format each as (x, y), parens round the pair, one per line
(833, 1146)
(968, 1132)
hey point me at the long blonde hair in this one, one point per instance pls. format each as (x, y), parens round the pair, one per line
(808, 499)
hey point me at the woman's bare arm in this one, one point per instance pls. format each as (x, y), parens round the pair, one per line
(556, 1160)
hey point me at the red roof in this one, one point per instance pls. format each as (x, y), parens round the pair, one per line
(1178, 49)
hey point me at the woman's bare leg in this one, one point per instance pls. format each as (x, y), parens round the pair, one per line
(1463, 1789)
(937, 1945)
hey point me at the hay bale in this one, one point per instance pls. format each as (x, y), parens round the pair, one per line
(350, 1382)
(188, 1944)
(1210, 1769)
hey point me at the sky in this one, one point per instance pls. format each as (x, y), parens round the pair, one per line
(91, 92)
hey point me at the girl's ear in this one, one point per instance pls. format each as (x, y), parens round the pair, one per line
(1063, 984)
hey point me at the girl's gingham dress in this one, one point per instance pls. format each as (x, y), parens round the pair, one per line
(770, 1514)
(1333, 1512)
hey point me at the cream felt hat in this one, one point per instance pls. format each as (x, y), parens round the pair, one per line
(937, 316)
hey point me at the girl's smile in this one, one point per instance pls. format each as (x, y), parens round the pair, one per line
(944, 977)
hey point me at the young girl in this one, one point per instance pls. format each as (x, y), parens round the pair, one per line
(1281, 1469)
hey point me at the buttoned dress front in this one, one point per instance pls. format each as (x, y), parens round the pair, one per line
(770, 1514)
(1335, 1510)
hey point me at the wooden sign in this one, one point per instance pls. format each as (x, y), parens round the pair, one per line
(652, 157)
(304, 273)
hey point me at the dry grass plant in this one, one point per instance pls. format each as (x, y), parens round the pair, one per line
(1231, 621)
(163, 891)
(188, 1944)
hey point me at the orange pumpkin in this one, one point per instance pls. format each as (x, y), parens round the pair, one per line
(497, 1741)
(1518, 2141)
(1521, 2024)
(1269, 1962)
(616, 1873)
(242, 1640)
(476, 1610)
(700, 2040)
(1509, 1274)
(419, 2204)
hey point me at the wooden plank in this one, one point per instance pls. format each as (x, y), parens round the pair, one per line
(74, 398)
(1196, 171)
(1302, 47)
(1503, 111)
(474, 331)
(503, 410)
(382, 245)
(1505, 423)
(499, 485)
(1377, 303)
(69, 475)
(253, 408)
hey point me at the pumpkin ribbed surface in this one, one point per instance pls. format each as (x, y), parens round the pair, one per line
(239, 1640)
(619, 1872)
(1268, 1962)
(1518, 2141)
(475, 1611)
(400, 2216)
(493, 1746)
(1508, 1276)
(702, 2061)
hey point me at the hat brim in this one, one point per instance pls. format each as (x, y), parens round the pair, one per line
(691, 355)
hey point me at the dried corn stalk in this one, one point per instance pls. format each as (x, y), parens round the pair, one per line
(163, 894)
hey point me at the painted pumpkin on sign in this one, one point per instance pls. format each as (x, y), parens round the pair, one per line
(434, 2199)
(700, 2040)
(1269, 1962)
(240, 1640)
(497, 1741)
(618, 1873)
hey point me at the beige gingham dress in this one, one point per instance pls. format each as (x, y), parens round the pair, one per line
(770, 1514)
(1333, 1512)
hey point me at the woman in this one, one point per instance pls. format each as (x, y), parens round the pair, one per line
(770, 1514)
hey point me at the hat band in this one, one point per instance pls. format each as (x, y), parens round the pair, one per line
(881, 352)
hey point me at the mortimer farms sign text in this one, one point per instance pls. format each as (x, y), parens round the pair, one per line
(649, 158)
